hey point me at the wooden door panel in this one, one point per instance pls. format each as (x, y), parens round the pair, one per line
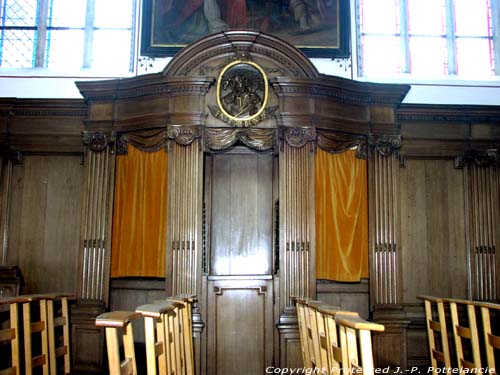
(240, 326)
(242, 214)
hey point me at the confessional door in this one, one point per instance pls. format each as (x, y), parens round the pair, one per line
(240, 196)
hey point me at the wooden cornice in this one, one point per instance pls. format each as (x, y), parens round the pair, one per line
(43, 125)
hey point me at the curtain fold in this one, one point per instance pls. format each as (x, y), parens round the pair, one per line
(341, 194)
(140, 214)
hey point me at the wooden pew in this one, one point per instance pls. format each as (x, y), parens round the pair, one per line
(111, 321)
(306, 333)
(465, 331)
(438, 327)
(186, 331)
(491, 340)
(12, 334)
(158, 337)
(356, 332)
(330, 345)
(55, 322)
(30, 328)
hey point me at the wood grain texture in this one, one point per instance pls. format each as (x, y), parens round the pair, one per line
(242, 215)
(45, 221)
(434, 259)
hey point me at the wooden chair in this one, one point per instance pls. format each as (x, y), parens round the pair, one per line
(111, 321)
(491, 340)
(438, 327)
(301, 307)
(12, 334)
(56, 321)
(462, 332)
(158, 340)
(31, 328)
(187, 322)
(330, 345)
(319, 336)
(356, 332)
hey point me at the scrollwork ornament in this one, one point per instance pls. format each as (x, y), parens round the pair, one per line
(98, 141)
(482, 158)
(298, 137)
(184, 135)
(386, 145)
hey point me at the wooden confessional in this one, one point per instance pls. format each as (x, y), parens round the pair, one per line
(241, 115)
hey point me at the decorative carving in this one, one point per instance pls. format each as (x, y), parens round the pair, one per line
(223, 138)
(147, 140)
(184, 135)
(298, 137)
(266, 114)
(482, 158)
(386, 145)
(339, 142)
(98, 141)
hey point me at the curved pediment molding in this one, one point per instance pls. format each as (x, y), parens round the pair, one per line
(281, 56)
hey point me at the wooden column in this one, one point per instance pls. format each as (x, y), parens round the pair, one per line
(95, 252)
(185, 222)
(297, 277)
(185, 179)
(482, 210)
(390, 346)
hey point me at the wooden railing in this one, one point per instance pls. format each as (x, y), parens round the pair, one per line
(462, 334)
(333, 340)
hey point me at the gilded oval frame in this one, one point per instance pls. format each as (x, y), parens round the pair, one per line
(219, 91)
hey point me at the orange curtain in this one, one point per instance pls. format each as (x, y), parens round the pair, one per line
(341, 216)
(140, 214)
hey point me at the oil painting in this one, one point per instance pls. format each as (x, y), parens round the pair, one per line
(320, 28)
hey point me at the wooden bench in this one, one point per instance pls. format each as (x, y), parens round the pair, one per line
(158, 337)
(356, 332)
(465, 331)
(305, 332)
(331, 344)
(491, 340)
(436, 327)
(12, 334)
(56, 321)
(111, 321)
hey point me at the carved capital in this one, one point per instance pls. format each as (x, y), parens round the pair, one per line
(184, 135)
(482, 158)
(386, 145)
(98, 141)
(298, 137)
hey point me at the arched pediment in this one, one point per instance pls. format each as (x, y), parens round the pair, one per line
(276, 56)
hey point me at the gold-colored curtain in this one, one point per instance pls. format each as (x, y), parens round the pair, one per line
(341, 216)
(140, 214)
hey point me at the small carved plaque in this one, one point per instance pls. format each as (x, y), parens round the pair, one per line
(242, 92)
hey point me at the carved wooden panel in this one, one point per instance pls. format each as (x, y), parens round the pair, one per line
(44, 221)
(297, 258)
(184, 219)
(384, 216)
(96, 236)
(483, 205)
(240, 326)
(242, 214)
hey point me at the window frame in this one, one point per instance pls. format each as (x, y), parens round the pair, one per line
(404, 37)
(40, 46)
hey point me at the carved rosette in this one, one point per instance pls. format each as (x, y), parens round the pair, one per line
(298, 137)
(184, 135)
(98, 141)
(482, 158)
(385, 145)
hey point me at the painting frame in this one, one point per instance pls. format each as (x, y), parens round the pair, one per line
(153, 45)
